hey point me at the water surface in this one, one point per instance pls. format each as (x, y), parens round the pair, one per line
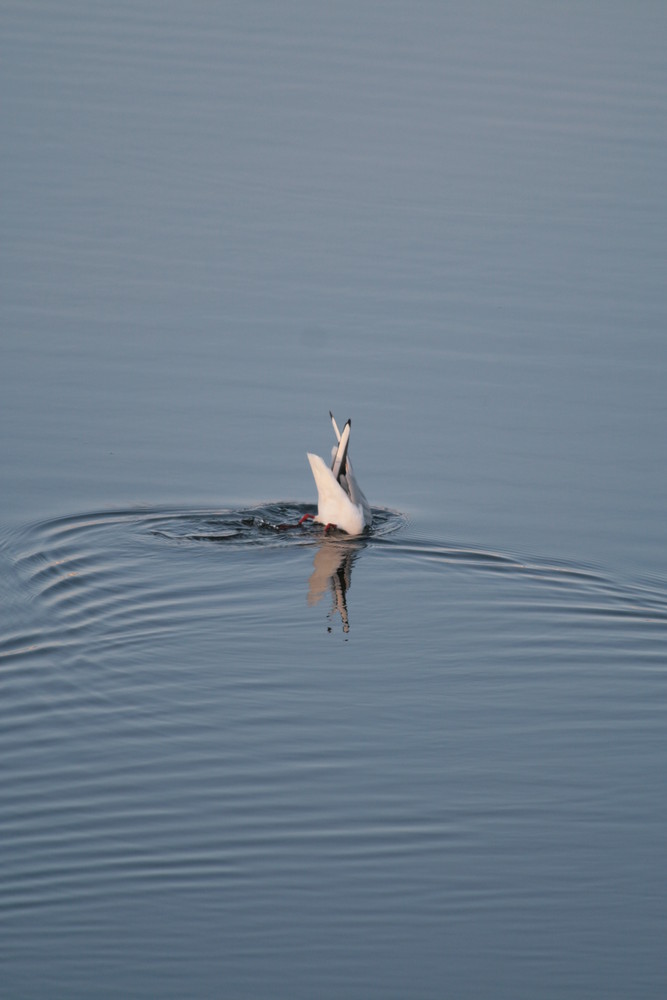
(244, 759)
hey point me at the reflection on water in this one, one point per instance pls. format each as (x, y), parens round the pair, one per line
(332, 570)
(280, 523)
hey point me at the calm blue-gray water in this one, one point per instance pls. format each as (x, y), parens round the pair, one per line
(245, 760)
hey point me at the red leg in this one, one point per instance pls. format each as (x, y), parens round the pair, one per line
(307, 517)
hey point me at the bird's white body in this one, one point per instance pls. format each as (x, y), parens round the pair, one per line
(340, 501)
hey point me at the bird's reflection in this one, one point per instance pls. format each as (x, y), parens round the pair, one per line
(332, 570)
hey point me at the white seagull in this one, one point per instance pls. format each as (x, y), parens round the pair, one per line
(340, 502)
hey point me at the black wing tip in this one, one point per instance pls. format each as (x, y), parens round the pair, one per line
(348, 421)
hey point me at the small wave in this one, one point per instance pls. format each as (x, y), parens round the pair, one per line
(595, 594)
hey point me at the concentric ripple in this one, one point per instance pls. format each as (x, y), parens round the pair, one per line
(106, 575)
(97, 573)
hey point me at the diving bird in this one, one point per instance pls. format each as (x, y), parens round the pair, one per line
(340, 502)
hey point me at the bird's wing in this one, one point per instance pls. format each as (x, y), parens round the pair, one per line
(335, 426)
(339, 463)
(357, 494)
